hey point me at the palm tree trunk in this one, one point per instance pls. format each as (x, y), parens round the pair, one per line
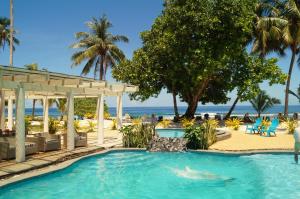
(101, 69)
(286, 102)
(232, 107)
(175, 106)
(11, 33)
(33, 108)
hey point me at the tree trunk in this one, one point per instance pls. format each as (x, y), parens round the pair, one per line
(11, 39)
(192, 107)
(33, 108)
(286, 102)
(193, 99)
(101, 69)
(232, 107)
(175, 106)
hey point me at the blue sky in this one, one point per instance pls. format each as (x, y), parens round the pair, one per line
(46, 30)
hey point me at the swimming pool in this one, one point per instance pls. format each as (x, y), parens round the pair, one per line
(173, 133)
(140, 175)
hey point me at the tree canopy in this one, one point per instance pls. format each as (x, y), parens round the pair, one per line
(98, 48)
(196, 49)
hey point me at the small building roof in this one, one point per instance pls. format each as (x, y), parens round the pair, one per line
(41, 83)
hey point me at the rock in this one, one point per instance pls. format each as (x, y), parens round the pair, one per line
(165, 144)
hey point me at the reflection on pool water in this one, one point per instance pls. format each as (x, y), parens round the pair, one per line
(130, 175)
(173, 133)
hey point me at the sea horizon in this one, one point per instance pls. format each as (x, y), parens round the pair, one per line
(169, 110)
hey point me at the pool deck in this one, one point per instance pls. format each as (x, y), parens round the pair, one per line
(11, 167)
(241, 141)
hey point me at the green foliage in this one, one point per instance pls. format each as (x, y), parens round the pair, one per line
(61, 105)
(53, 125)
(98, 47)
(87, 106)
(277, 30)
(27, 124)
(5, 33)
(262, 102)
(297, 95)
(190, 45)
(137, 136)
(201, 136)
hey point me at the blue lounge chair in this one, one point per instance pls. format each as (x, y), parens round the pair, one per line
(254, 127)
(272, 128)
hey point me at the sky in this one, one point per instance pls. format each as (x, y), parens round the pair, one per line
(46, 30)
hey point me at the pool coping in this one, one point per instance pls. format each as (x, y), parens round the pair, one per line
(62, 165)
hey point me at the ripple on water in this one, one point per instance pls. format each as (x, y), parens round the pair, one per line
(130, 175)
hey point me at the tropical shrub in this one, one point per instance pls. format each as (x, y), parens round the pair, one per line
(265, 123)
(106, 115)
(114, 124)
(137, 136)
(53, 125)
(233, 123)
(136, 121)
(92, 126)
(185, 122)
(76, 125)
(164, 123)
(201, 136)
(89, 115)
(27, 124)
(291, 125)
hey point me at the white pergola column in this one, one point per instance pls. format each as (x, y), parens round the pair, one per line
(70, 122)
(119, 111)
(10, 114)
(46, 114)
(100, 119)
(20, 125)
(2, 110)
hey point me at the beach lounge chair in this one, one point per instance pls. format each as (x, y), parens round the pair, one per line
(272, 128)
(254, 127)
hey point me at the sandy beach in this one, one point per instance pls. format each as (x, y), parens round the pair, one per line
(241, 141)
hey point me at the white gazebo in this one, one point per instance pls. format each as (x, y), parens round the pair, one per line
(19, 84)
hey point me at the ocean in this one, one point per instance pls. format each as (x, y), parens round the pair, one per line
(168, 110)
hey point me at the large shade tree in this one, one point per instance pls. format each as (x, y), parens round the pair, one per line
(277, 29)
(98, 48)
(194, 49)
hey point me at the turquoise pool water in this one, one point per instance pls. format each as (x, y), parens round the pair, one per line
(174, 133)
(143, 175)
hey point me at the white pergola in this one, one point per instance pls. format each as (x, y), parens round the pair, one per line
(19, 84)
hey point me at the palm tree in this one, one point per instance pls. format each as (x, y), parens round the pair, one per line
(98, 48)
(263, 102)
(5, 33)
(278, 28)
(61, 105)
(297, 95)
(11, 38)
(33, 66)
